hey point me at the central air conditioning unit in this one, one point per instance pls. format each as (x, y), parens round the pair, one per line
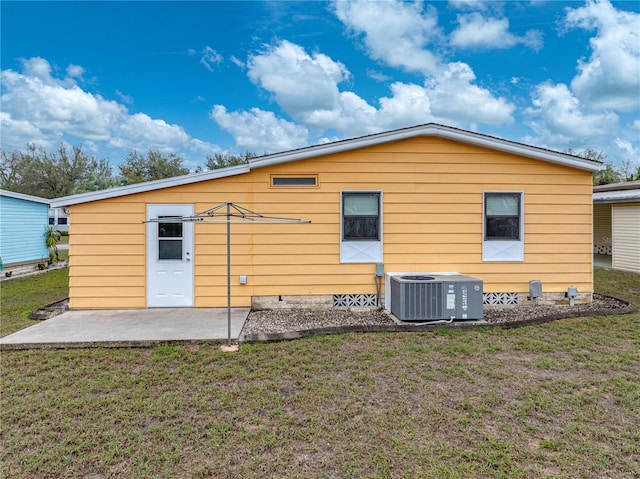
(435, 297)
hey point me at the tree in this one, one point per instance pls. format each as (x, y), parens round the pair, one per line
(588, 153)
(138, 168)
(51, 238)
(219, 160)
(629, 172)
(606, 176)
(49, 175)
(610, 174)
(97, 182)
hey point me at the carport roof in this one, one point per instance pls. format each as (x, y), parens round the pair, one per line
(617, 193)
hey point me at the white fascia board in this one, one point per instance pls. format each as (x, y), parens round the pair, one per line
(21, 196)
(434, 130)
(520, 149)
(149, 186)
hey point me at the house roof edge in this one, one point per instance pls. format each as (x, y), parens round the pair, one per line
(148, 186)
(429, 130)
(22, 196)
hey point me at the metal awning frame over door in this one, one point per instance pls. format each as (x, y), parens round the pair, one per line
(228, 213)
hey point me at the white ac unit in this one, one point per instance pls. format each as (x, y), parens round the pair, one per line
(416, 297)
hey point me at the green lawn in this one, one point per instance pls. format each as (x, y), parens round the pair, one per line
(559, 400)
(21, 296)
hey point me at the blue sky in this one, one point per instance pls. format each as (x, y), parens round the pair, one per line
(197, 78)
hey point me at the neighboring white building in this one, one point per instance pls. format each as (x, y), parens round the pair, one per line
(59, 219)
(616, 225)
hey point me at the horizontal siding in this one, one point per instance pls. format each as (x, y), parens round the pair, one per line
(432, 211)
(22, 233)
(626, 237)
(602, 225)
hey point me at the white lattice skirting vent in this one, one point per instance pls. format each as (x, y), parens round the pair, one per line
(369, 300)
(500, 299)
(354, 301)
(601, 249)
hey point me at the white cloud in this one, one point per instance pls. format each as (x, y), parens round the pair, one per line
(128, 99)
(302, 84)
(75, 71)
(560, 120)
(237, 62)
(410, 104)
(378, 76)
(610, 78)
(449, 99)
(134, 130)
(260, 131)
(454, 96)
(306, 87)
(38, 107)
(626, 146)
(469, 4)
(478, 32)
(209, 57)
(397, 33)
(21, 132)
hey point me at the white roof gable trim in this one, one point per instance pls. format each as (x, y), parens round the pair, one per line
(20, 196)
(149, 186)
(430, 130)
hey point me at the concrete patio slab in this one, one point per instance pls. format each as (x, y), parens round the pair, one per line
(129, 328)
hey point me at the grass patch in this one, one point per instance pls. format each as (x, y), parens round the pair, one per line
(21, 296)
(339, 408)
(619, 284)
(549, 401)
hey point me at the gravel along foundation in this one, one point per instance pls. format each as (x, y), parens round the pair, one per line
(278, 325)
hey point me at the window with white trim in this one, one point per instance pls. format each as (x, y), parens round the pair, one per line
(361, 226)
(360, 216)
(502, 229)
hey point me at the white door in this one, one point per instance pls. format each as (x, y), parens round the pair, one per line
(169, 257)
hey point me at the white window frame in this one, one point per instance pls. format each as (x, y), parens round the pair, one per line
(361, 251)
(498, 249)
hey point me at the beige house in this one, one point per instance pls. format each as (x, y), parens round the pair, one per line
(428, 198)
(616, 226)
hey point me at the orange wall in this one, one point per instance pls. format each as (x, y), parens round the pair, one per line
(432, 215)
